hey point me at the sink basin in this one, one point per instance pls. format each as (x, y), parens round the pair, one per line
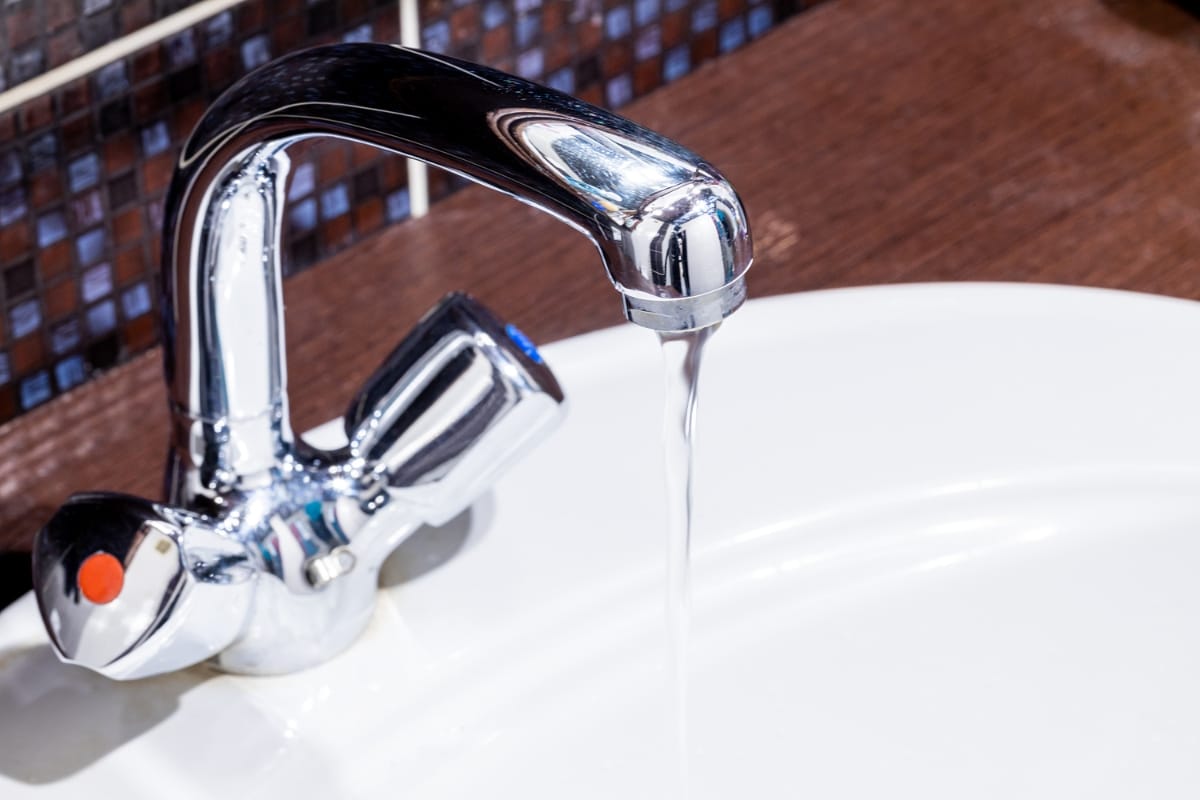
(947, 546)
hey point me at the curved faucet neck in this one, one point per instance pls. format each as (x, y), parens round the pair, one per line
(670, 230)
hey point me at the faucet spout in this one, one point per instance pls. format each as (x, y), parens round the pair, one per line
(670, 230)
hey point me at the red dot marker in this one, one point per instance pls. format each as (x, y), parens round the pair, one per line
(100, 578)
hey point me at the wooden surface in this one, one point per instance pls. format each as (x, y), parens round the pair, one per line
(872, 141)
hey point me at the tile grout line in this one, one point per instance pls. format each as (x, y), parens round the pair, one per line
(119, 48)
(418, 171)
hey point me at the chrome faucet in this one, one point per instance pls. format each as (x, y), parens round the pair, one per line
(264, 557)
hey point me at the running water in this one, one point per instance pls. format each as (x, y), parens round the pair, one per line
(681, 354)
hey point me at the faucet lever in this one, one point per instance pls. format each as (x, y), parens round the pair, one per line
(453, 406)
(132, 588)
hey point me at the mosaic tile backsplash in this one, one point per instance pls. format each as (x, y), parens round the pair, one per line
(83, 169)
(39, 35)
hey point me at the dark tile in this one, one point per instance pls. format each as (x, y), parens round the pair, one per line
(366, 184)
(62, 47)
(168, 7)
(60, 13)
(19, 280)
(186, 82)
(135, 14)
(122, 190)
(37, 113)
(98, 30)
(127, 226)
(78, 133)
(120, 153)
(27, 355)
(495, 44)
(302, 253)
(116, 116)
(141, 333)
(10, 586)
(54, 261)
(156, 173)
(336, 234)
(147, 64)
(45, 188)
(368, 215)
(251, 17)
(647, 76)
(322, 17)
(587, 71)
(131, 264)
(75, 96)
(60, 300)
(465, 25)
(220, 68)
(150, 100)
(104, 352)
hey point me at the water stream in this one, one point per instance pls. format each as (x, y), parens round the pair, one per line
(682, 353)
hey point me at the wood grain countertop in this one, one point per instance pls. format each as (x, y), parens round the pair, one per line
(873, 141)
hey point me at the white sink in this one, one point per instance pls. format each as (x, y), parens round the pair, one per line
(948, 546)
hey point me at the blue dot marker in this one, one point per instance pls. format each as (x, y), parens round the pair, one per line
(524, 343)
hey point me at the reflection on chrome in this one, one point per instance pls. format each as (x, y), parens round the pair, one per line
(264, 556)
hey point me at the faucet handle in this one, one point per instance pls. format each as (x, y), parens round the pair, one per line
(132, 588)
(460, 399)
